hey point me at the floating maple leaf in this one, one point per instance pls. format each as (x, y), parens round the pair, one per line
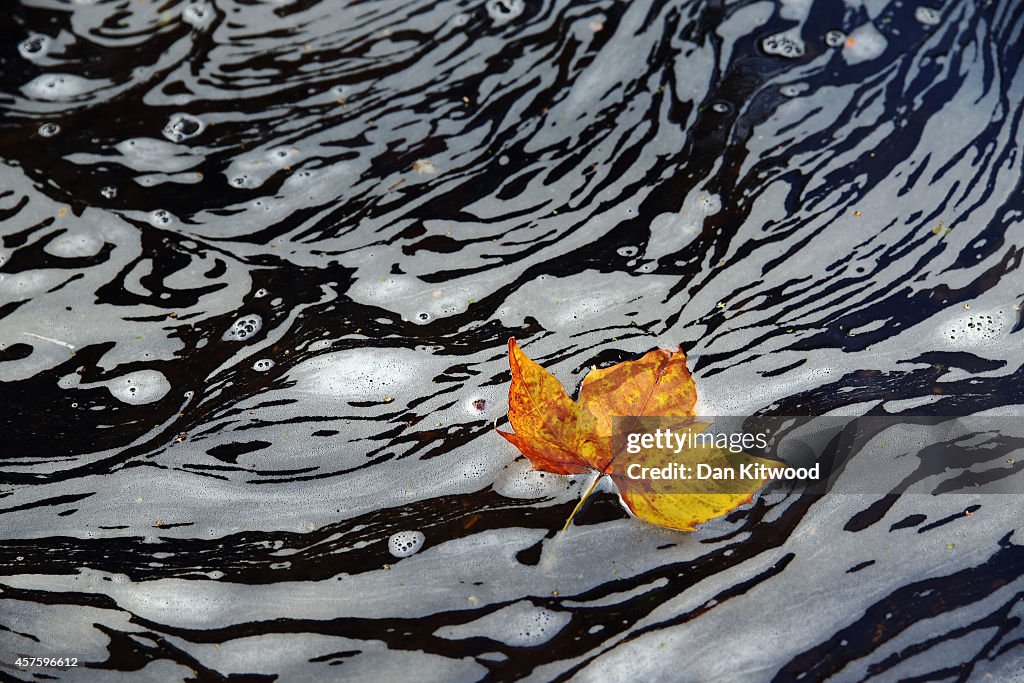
(564, 436)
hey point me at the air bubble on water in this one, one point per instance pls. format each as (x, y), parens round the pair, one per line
(262, 365)
(109, 192)
(243, 328)
(260, 293)
(406, 543)
(48, 130)
(181, 127)
(502, 11)
(787, 45)
(198, 15)
(793, 89)
(161, 217)
(627, 251)
(503, 160)
(58, 87)
(927, 16)
(835, 38)
(460, 19)
(721, 107)
(34, 47)
(423, 317)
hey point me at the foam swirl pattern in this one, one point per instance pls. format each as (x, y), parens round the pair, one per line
(260, 260)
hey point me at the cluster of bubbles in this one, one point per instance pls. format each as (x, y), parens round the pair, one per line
(835, 38)
(243, 328)
(980, 328)
(406, 543)
(34, 47)
(502, 11)
(784, 45)
(262, 365)
(160, 217)
(181, 127)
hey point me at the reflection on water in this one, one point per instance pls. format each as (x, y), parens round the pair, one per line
(260, 261)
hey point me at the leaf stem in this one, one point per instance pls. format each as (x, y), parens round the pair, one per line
(583, 499)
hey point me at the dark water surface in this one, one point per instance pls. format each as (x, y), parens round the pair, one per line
(260, 260)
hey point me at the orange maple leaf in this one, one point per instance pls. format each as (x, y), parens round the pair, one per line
(564, 436)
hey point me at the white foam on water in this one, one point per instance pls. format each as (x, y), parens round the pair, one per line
(244, 328)
(154, 179)
(584, 301)
(793, 89)
(182, 126)
(367, 374)
(262, 365)
(788, 44)
(161, 218)
(864, 44)
(74, 244)
(60, 87)
(503, 11)
(34, 47)
(253, 171)
(418, 302)
(26, 284)
(520, 480)
(198, 15)
(796, 10)
(835, 38)
(975, 329)
(520, 625)
(138, 388)
(147, 154)
(406, 543)
(927, 15)
(670, 232)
